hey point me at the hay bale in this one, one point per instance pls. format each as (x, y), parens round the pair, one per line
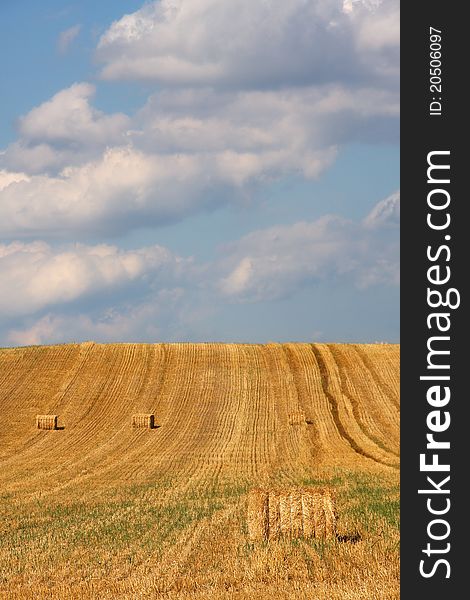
(296, 418)
(274, 515)
(308, 515)
(319, 521)
(284, 513)
(296, 515)
(46, 421)
(293, 513)
(331, 516)
(143, 421)
(324, 512)
(258, 515)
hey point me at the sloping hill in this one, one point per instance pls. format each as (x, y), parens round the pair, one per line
(227, 415)
(223, 409)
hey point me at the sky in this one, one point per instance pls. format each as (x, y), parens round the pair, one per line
(199, 170)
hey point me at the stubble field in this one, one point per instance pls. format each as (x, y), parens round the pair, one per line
(98, 509)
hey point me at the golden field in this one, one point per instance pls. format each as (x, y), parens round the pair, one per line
(100, 509)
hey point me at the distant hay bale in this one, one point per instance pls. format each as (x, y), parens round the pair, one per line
(144, 421)
(46, 421)
(292, 513)
(296, 418)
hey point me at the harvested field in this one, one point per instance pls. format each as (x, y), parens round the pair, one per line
(107, 510)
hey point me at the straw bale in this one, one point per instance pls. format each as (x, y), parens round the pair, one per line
(319, 522)
(296, 516)
(46, 421)
(308, 516)
(274, 516)
(331, 516)
(258, 515)
(284, 513)
(143, 420)
(291, 513)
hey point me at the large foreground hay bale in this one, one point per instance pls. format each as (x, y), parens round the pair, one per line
(296, 514)
(143, 420)
(274, 521)
(46, 421)
(291, 513)
(258, 514)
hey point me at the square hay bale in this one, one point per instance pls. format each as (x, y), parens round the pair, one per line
(291, 513)
(284, 513)
(143, 421)
(46, 421)
(296, 514)
(258, 515)
(274, 517)
(296, 418)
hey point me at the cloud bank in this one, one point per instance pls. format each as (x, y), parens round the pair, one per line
(244, 94)
(253, 44)
(264, 265)
(248, 92)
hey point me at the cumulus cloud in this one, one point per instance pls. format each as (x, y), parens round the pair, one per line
(9, 177)
(247, 93)
(275, 262)
(386, 213)
(67, 37)
(36, 276)
(124, 189)
(68, 117)
(265, 90)
(39, 332)
(185, 152)
(252, 44)
(133, 321)
(79, 292)
(65, 130)
(294, 120)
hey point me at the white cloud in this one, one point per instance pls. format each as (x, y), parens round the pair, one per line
(135, 321)
(293, 120)
(124, 189)
(273, 263)
(380, 29)
(239, 278)
(9, 177)
(248, 92)
(248, 44)
(38, 158)
(101, 292)
(67, 37)
(40, 332)
(68, 117)
(298, 80)
(36, 276)
(186, 152)
(63, 131)
(386, 213)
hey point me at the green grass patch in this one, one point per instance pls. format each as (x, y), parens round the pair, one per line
(139, 519)
(366, 503)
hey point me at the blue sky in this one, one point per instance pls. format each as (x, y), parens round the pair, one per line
(204, 170)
